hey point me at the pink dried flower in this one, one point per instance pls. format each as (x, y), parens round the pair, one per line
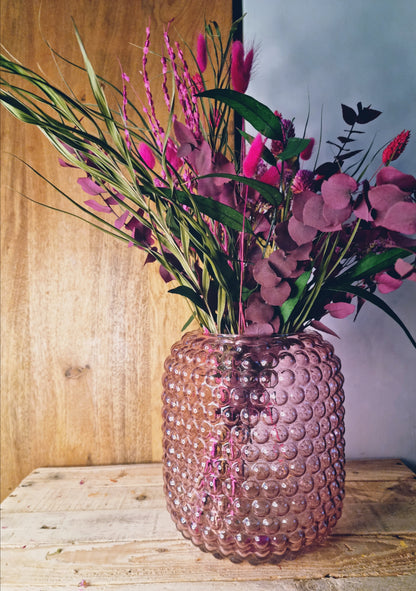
(197, 80)
(328, 211)
(340, 309)
(147, 155)
(193, 115)
(153, 120)
(288, 128)
(201, 53)
(388, 204)
(165, 90)
(307, 152)
(257, 309)
(253, 157)
(140, 232)
(270, 176)
(277, 147)
(303, 181)
(386, 283)
(405, 269)
(271, 274)
(100, 207)
(120, 221)
(240, 67)
(89, 186)
(396, 147)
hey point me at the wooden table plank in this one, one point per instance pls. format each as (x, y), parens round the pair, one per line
(107, 526)
(392, 584)
(372, 470)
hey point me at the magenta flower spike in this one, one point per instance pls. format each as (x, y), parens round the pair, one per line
(270, 176)
(307, 152)
(395, 147)
(240, 67)
(155, 125)
(252, 159)
(201, 53)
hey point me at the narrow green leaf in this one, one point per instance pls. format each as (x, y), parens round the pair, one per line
(373, 263)
(188, 322)
(371, 297)
(189, 293)
(221, 304)
(300, 284)
(100, 96)
(269, 192)
(215, 210)
(246, 293)
(18, 109)
(261, 117)
(172, 223)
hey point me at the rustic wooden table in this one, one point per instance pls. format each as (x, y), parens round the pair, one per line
(107, 528)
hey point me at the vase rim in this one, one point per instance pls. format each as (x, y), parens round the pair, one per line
(275, 335)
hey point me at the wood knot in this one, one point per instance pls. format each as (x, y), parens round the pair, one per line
(74, 373)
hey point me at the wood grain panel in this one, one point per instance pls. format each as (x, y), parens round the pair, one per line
(85, 326)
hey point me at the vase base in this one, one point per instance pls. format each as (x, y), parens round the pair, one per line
(270, 556)
(273, 559)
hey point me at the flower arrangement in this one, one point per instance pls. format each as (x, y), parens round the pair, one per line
(256, 238)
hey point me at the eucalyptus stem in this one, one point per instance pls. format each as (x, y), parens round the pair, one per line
(345, 249)
(319, 281)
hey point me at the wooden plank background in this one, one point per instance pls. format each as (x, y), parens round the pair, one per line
(85, 326)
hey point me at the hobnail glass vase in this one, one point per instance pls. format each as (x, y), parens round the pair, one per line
(253, 440)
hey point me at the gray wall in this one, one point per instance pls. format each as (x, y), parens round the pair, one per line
(344, 51)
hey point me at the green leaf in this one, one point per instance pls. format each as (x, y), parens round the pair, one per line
(294, 147)
(371, 297)
(18, 109)
(215, 210)
(246, 293)
(189, 293)
(221, 305)
(188, 322)
(271, 194)
(372, 264)
(261, 117)
(100, 96)
(172, 223)
(287, 307)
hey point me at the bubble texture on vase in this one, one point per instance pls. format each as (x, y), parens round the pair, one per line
(253, 439)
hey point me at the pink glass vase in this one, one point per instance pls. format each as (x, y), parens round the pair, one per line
(253, 439)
